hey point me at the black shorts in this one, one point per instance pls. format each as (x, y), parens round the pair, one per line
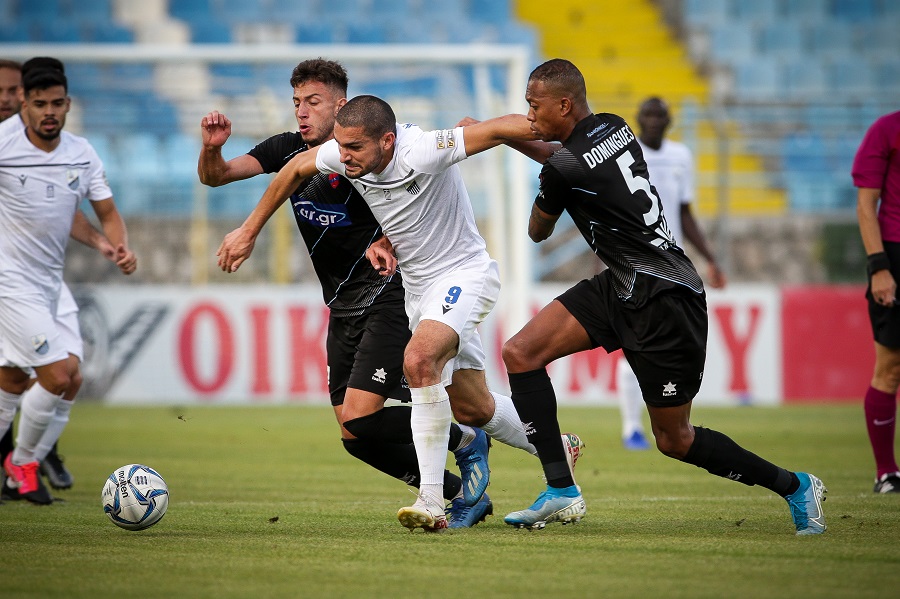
(366, 352)
(886, 320)
(664, 341)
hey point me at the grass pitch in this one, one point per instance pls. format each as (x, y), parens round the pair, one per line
(265, 503)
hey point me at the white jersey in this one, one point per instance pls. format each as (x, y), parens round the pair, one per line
(421, 202)
(39, 193)
(12, 124)
(672, 174)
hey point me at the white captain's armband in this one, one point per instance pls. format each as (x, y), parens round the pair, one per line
(445, 139)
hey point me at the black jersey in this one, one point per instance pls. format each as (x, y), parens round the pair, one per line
(599, 176)
(337, 226)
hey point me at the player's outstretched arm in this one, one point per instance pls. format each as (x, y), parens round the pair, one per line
(212, 168)
(238, 245)
(494, 132)
(537, 150)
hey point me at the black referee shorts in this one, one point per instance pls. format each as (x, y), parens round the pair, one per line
(366, 352)
(886, 319)
(664, 341)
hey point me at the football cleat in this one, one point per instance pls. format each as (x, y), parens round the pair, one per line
(473, 467)
(25, 480)
(888, 483)
(636, 441)
(553, 505)
(55, 470)
(421, 515)
(806, 505)
(462, 516)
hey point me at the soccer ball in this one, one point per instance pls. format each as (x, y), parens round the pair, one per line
(135, 497)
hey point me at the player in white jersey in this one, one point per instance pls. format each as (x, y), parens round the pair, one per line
(411, 182)
(44, 174)
(671, 166)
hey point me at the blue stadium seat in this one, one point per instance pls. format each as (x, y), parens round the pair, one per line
(755, 11)
(757, 79)
(783, 37)
(851, 78)
(314, 33)
(13, 32)
(105, 32)
(46, 10)
(804, 80)
(854, 10)
(242, 11)
(84, 78)
(887, 74)
(192, 10)
(732, 41)
(98, 11)
(490, 11)
(831, 38)
(55, 31)
(804, 154)
(808, 10)
(366, 32)
(698, 13)
(211, 31)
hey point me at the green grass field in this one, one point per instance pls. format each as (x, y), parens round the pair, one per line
(655, 527)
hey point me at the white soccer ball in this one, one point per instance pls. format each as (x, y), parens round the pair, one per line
(135, 497)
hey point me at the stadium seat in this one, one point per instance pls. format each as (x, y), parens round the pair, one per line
(851, 78)
(854, 10)
(755, 11)
(13, 32)
(314, 33)
(757, 79)
(831, 38)
(804, 153)
(45, 10)
(732, 41)
(808, 10)
(804, 80)
(105, 32)
(366, 33)
(490, 11)
(698, 13)
(783, 37)
(211, 31)
(192, 10)
(53, 31)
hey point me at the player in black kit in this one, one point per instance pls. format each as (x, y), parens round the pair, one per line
(368, 328)
(649, 301)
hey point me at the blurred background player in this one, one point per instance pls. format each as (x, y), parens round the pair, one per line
(44, 175)
(876, 174)
(671, 167)
(11, 95)
(368, 328)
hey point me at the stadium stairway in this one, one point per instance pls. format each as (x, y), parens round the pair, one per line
(627, 53)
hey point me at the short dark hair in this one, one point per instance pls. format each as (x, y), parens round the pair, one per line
(44, 79)
(42, 63)
(329, 72)
(374, 115)
(562, 77)
(10, 64)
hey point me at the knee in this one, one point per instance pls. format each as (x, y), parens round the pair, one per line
(887, 375)
(420, 368)
(56, 382)
(517, 357)
(674, 444)
(75, 381)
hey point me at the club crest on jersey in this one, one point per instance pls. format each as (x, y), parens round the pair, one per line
(40, 344)
(72, 178)
(413, 188)
(51, 191)
(334, 180)
(22, 179)
(380, 375)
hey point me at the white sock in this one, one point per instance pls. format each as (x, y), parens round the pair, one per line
(9, 403)
(430, 423)
(631, 401)
(506, 426)
(38, 407)
(54, 430)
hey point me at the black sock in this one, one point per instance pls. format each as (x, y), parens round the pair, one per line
(6, 443)
(721, 456)
(397, 460)
(535, 401)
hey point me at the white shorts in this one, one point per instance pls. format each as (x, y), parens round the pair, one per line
(461, 299)
(35, 331)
